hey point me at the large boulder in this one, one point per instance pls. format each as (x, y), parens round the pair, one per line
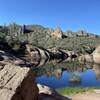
(96, 69)
(96, 55)
(38, 55)
(17, 83)
(33, 53)
(91, 58)
(86, 58)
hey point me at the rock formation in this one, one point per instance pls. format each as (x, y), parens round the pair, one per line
(82, 33)
(39, 55)
(96, 55)
(86, 58)
(57, 33)
(92, 58)
(16, 83)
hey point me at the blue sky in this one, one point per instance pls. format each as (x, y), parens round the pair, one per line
(68, 14)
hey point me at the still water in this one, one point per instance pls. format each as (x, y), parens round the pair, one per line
(68, 74)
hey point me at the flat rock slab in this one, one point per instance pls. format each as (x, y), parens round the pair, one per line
(11, 76)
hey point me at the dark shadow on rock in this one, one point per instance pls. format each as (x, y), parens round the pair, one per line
(28, 89)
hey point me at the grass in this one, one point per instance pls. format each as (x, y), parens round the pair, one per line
(75, 90)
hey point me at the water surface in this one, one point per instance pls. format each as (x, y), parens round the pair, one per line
(58, 75)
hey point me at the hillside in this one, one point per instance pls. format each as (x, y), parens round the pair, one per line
(49, 38)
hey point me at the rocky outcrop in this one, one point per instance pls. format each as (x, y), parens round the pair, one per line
(18, 82)
(86, 58)
(63, 55)
(96, 55)
(57, 33)
(86, 34)
(15, 80)
(92, 58)
(39, 55)
(82, 33)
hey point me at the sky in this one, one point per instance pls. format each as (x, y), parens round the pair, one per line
(68, 14)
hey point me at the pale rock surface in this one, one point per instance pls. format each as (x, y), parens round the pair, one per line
(57, 33)
(96, 55)
(46, 93)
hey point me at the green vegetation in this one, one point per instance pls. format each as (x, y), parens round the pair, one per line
(75, 90)
(40, 36)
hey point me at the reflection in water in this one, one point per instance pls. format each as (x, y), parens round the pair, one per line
(74, 78)
(96, 69)
(57, 75)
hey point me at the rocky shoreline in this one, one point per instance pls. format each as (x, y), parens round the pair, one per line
(17, 81)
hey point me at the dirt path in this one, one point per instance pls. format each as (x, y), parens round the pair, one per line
(95, 95)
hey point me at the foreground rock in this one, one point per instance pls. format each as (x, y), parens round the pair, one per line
(46, 93)
(16, 83)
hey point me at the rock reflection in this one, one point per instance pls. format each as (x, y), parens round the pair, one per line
(75, 79)
(56, 69)
(96, 69)
(58, 72)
